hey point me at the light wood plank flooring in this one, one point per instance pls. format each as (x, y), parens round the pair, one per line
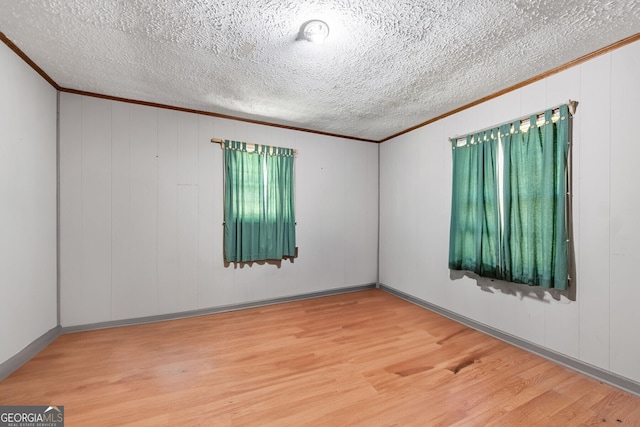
(359, 359)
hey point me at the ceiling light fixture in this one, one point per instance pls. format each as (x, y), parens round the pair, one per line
(315, 31)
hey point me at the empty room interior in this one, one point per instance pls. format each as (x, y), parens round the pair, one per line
(120, 297)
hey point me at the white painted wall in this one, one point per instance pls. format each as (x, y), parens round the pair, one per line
(415, 194)
(28, 291)
(141, 196)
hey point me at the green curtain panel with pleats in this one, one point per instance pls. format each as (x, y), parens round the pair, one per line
(508, 213)
(475, 225)
(259, 212)
(535, 250)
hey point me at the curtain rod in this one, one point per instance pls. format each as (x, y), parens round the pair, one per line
(573, 105)
(249, 144)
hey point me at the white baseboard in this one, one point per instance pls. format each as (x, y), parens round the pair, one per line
(14, 363)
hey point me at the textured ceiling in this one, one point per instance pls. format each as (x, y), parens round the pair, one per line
(387, 65)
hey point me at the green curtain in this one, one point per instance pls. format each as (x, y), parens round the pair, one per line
(515, 231)
(534, 249)
(475, 218)
(259, 203)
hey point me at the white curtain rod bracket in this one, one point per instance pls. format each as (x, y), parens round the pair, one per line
(573, 106)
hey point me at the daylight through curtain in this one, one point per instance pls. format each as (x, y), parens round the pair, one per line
(259, 202)
(508, 216)
(474, 231)
(535, 250)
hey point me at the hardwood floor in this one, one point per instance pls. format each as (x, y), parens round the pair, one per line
(364, 358)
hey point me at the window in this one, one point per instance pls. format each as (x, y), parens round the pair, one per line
(508, 212)
(259, 218)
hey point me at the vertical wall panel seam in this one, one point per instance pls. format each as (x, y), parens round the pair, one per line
(81, 143)
(198, 214)
(157, 269)
(127, 267)
(577, 250)
(58, 264)
(378, 251)
(111, 213)
(610, 57)
(111, 216)
(157, 156)
(110, 171)
(177, 211)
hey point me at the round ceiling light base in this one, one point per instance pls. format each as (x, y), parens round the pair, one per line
(315, 31)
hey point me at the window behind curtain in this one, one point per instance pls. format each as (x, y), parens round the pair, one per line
(525, 169)
(259, 210)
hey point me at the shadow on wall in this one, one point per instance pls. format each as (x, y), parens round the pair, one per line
(249, 264)
(516, 289)
(276, 262)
